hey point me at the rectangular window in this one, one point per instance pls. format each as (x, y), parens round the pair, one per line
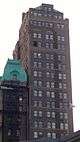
(47, 36)
(52, 84)
(48, 104)
(35, 103)
(35, 93)
(48, 114)
(61, 126)
(40, 83)
(53, 125)
(53, 114)
(54, 135)
(39, 35)
(49, 125)
(35, 73)
(35, 35)
(48, 94)
(35, 113)
(40, 93)
(48, 84)
(35, 134)
(40, 113)
(35, 83)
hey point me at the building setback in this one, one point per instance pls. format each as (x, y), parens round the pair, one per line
(15, 92)
(44, 51)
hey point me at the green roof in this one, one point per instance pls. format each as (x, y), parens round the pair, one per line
(14, 69)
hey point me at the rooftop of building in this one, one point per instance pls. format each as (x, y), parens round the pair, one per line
(14, 71)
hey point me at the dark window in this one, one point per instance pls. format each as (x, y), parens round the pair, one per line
(35, 43)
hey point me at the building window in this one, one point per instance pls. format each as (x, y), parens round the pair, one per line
(65, 95)
(35, 134)
(51, 25)
(20, 98)
(40, 93)
(35, 43)
(49, 135)
(40, 124)
(64, 85)
(53, 114)
(61, 105)
(59, 38)
(52, 75)
(35, 83)
(61, 95)
(52, 84)
(52, 57)
(48, 114)
(9, 132)
(62, 26)
(53, 125)
(39, 64)
(47, 65)
(48, 104)
(40, 113)
(35, 113)
(65, 115)
(35, 73)
(35, 93)
(40, 74)
(39, 14)
(35, 64)
(35, 14)
(39, 55)
(51, 37)
(48, 94)
(35, 35)
(54, 135)
(58, 26)
(47, 56)
(39, 35)
(40, 83)
(62, 38)
(52, 95)
(49, 125)
(48, 84)
(53, 104)
(35, 55)
(47, 74)
(60, 85)
(47, 45)
(61, 126)
(52, 66)
(60, 76)
(35, 103)
(40, 104)
(66, 126)
(47, 36)
(39, 44)
(64, 76)
(35, 124)
(39, 23)
(61, 115)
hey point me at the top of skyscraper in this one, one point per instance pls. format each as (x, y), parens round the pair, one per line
(14, 71)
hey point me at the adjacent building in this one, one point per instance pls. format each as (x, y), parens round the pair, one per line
(44, 51)
(0, 112)
(15, 106)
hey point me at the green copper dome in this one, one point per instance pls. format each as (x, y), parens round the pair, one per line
(14, 71)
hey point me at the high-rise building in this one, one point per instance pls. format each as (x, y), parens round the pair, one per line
(44, 51)
(14, 92)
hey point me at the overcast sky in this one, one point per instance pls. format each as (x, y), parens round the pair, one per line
(10, 21)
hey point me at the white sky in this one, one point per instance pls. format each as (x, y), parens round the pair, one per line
(10, 21)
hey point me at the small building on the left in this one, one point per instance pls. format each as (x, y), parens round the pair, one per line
(13, 103)
(0, 112)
